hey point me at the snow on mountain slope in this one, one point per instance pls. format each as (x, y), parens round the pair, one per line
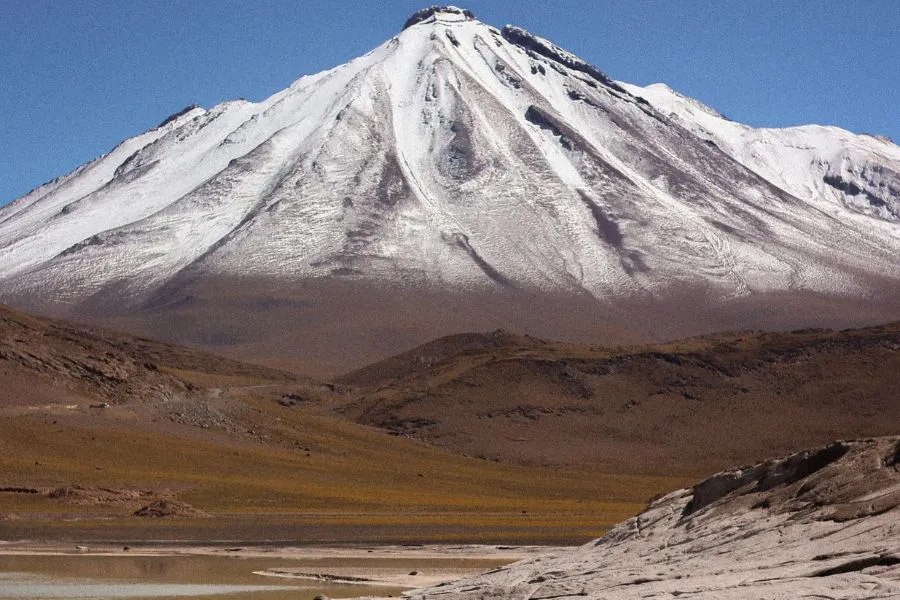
(818, 164)
(41, 217)
(818, 524)
(458, 155)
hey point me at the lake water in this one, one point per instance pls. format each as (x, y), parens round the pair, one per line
(99, 577)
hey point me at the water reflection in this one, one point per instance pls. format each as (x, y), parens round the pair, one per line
(159, 577)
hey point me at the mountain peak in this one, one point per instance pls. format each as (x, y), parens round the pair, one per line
(457, 156)
(442, 13)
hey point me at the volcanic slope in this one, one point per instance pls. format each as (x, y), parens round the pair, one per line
(690, 407)
(96, 425)
(818, 524)
(475, 178)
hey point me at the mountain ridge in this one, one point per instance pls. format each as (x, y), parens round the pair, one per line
(647, 408)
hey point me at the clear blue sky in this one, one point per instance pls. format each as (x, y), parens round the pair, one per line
(78, 77)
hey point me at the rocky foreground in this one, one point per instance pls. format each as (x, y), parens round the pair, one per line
(821, 524)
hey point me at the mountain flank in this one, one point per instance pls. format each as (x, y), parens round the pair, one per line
(460, 177)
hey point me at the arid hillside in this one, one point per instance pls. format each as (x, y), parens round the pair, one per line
(56, 362)
(478, 437)
(106, 436)
(690, 407)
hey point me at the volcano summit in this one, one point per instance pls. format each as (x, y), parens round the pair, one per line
(460, 177)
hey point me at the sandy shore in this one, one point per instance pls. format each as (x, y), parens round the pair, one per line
(394, 566)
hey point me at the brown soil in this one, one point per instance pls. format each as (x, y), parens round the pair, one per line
(66, 363)
(496, 437)
(96, 496)
(325, 327)
(260, 450)
(696, 406)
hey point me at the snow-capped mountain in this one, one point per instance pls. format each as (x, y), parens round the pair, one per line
(460, 156)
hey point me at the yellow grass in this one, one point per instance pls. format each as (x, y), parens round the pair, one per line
(351, 477)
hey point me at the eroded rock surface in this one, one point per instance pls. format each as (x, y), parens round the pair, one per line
(819, 524)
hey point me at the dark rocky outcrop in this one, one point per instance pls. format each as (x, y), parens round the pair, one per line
(529, 41)
(175, 115)
(762, 477)
(873, 185)
(426, 13)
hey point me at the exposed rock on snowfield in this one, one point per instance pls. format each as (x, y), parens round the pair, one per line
(460, 159)
(434, 12)
(818, 524)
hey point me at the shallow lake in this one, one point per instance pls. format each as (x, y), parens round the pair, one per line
(100, 577)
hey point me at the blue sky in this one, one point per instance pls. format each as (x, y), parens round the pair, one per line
(78, 77)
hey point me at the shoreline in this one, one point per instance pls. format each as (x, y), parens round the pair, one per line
(388, 566)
